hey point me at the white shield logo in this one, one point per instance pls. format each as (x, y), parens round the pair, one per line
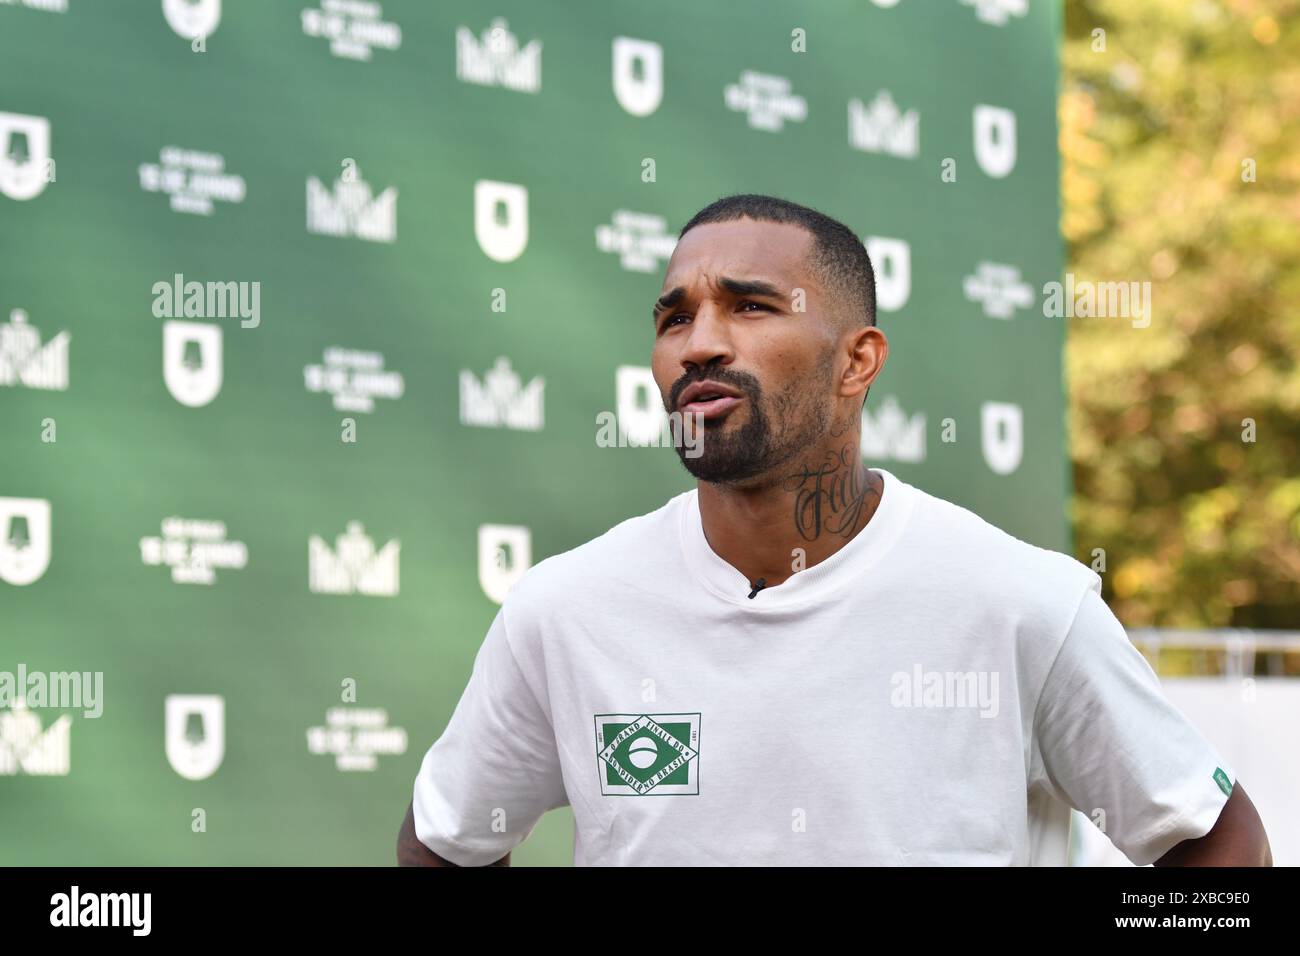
(995, 140)
(641, 414)
(24, 539)
(192, 361)
(505, 552)
(195, 735)
(24, 155)
(1002, 436)
(192, 18)
(639, 95)
(502, 241)
(891, 259)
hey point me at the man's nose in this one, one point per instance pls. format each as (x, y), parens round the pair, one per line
(709, 338)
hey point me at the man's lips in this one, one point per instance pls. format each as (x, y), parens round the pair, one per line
(712, 408)
(708, 399)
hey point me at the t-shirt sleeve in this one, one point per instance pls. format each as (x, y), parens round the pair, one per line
(495, 770)
(1109, 740)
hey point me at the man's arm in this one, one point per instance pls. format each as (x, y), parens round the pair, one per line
(1236, 839)
(411, 852)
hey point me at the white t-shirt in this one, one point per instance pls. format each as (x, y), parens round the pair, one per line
(936, 692)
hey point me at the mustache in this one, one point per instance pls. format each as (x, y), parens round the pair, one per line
(742, 382)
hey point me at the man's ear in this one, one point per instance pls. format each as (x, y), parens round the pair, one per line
(868, 349)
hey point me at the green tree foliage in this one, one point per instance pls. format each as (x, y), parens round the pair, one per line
(1180, 144)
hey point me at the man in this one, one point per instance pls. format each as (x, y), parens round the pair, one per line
(805, 660)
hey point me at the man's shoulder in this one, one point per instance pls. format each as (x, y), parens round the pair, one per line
(992, 556)
(626, 550)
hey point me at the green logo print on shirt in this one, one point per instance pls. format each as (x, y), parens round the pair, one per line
(640, 754)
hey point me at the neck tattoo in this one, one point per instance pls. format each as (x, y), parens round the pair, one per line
(831, 496)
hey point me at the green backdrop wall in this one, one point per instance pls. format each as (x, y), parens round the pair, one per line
(277, 515)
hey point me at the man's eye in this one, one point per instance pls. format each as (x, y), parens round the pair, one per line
(746, 302)
(668, 323)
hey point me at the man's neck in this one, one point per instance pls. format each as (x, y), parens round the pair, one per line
(815, 505)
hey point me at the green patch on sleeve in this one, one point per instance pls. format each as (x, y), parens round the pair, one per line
(1222, 780)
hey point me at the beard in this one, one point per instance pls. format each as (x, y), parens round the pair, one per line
(776, 429)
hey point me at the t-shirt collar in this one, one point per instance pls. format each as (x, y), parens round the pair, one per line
(819, 581)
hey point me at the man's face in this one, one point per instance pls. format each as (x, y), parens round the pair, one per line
(729, 314)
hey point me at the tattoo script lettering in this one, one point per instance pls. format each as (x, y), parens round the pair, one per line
(831, 496)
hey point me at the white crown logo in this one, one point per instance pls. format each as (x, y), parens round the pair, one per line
(355, 566)
(881, 127)
(351, 210)
(24, 361)
(25, 748)
(891, 434)
(501, 400)
(497, 60)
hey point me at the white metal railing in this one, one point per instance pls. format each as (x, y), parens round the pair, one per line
(1239, 646)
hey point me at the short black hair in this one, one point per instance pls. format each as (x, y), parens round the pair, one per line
(838, 257)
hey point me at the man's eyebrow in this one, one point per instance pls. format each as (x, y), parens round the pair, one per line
(668, 300)
(751, 287)
(734, 286)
